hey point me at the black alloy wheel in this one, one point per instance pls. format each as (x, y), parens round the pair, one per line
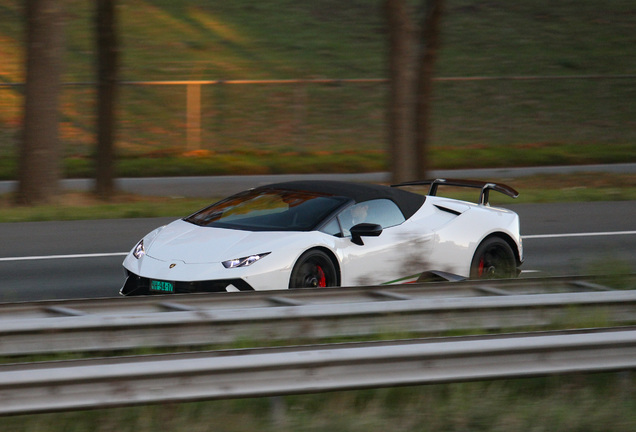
(493, 259)
(314, 269)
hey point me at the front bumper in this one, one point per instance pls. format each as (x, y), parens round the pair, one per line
(137, 285)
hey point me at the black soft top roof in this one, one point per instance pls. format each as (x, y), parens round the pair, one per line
(408, 202)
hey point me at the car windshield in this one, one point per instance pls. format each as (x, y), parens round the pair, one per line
(269, 210)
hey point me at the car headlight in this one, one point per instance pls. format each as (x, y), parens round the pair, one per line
(245, 261)
(139, 250)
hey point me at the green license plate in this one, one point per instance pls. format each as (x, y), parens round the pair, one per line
(161, 286)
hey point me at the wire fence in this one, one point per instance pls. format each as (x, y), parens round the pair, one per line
(323, 115)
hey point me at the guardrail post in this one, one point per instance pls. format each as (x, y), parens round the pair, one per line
(278, 412)
(193, 117)
(299, 105)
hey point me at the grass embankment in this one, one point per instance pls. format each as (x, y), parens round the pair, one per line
(579, 403)
(340, 128)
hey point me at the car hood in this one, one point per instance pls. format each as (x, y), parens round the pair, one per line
(192, 244)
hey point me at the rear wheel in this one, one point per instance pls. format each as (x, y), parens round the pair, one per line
(314, 269)
(493, 259)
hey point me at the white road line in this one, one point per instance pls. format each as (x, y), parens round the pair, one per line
(589, 234)
(49, 257)
(102, 255)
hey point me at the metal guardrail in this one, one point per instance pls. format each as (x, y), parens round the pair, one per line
(101, 383)
(153, 303)
(189, 320)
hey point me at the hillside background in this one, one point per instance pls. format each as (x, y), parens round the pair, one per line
(339, 127)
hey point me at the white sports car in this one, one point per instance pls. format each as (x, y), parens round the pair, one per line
(306, 234)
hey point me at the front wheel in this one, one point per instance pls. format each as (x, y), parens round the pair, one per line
(314, 269)
(493, 259)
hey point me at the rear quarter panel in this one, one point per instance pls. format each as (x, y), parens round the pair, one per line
(459, 236)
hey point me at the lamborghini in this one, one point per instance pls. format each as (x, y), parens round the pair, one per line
(308, 234)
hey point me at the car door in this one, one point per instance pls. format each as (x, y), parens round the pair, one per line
(395, 254)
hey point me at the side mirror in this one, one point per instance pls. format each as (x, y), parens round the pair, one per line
(364, 230)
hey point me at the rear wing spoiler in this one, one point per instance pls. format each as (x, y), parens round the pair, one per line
(485, 187)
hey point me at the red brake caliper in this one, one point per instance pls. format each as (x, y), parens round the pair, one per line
(481, 267)
(322, 280)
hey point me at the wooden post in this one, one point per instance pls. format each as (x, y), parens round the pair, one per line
(193, 117)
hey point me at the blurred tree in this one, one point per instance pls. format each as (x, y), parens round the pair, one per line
(412, 54)
(39, 166)
(429, 43)
(107, 70)
(401, 119)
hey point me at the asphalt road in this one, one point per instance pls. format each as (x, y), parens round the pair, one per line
(82, 259)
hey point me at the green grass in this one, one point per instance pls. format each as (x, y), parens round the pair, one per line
(79, 206)
(172, 162)
(324, 128)
(576, 403)
(74, 206)
(540, 189)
